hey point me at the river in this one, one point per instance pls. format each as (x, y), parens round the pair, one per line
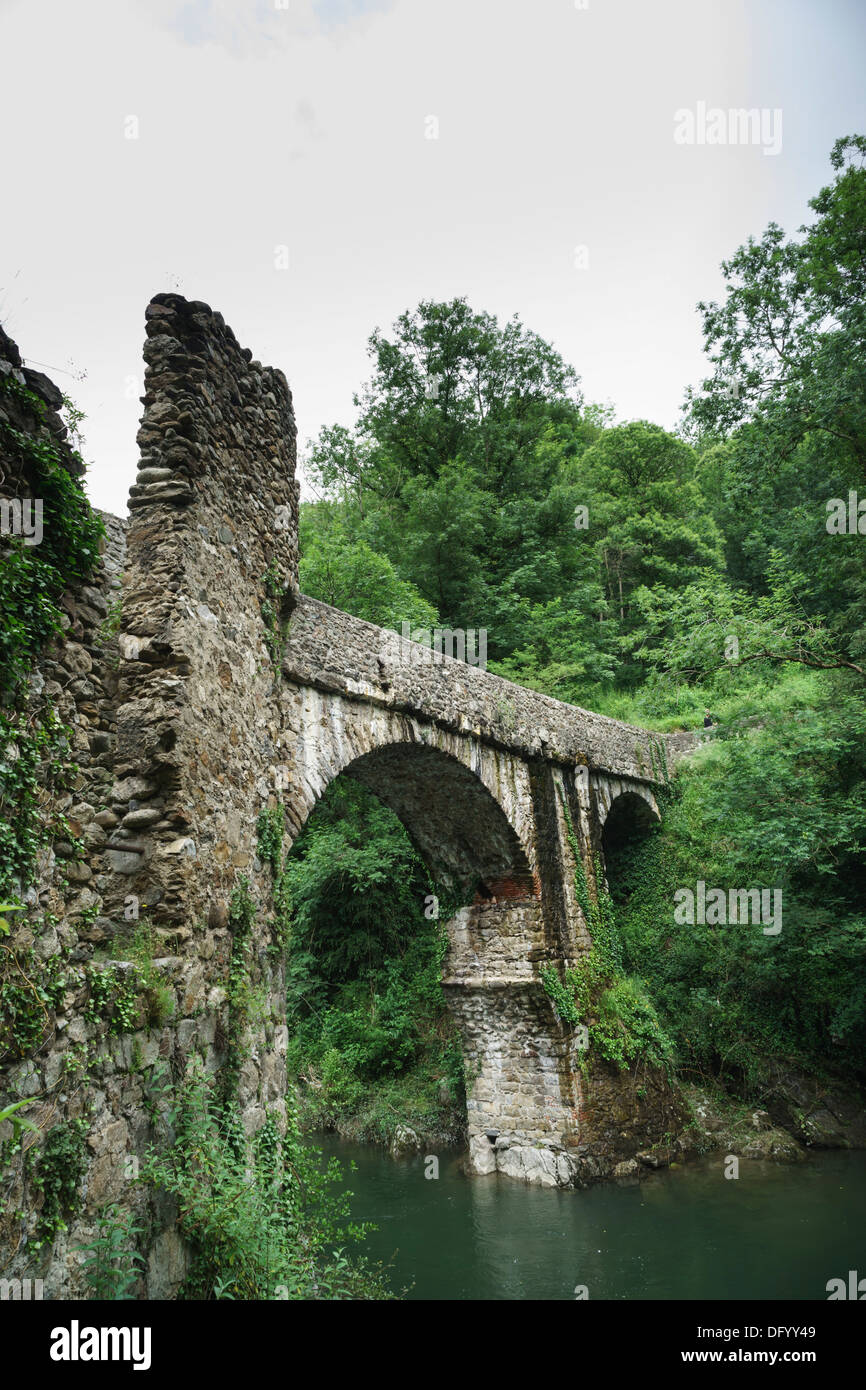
(775, 1232)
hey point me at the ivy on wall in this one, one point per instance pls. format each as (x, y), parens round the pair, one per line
(56, 1169)
(242, 913)
(33, 578)
(34, 756)
(34, 743)
(271, 830)
(275, 612)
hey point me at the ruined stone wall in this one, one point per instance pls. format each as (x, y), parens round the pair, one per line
(171, 718)
(49, 1052)
(210, 582)
(214, 510)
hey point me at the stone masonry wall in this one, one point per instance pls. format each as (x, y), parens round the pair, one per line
(214, 509)
(67, 1072)
(170, 721)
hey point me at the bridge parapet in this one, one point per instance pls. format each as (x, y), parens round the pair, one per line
(332, 651)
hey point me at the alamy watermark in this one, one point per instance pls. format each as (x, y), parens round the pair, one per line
(22, 516)
(846, 518)
(21, 1289)
(736, 126)
(855, 1289)
(426, 646)
(77, 1343)
(713, 907)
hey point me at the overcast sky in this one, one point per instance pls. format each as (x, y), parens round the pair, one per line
(306, 125)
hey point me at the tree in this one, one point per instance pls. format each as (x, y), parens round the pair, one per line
(650, 525)
(454, 467)
(788, 344)
(352, 577)
(452, 384)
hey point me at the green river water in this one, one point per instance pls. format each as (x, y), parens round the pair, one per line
(776, 1232)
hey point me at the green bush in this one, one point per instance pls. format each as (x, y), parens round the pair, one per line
(262, 1219)
(782, 805)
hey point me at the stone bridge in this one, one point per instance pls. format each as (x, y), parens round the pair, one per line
(238, 693)
(480, 772)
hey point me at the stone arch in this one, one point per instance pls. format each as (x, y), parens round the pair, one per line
(443, 787)
(466, 806)
(629, 816)
(457, 826)
(629, 812)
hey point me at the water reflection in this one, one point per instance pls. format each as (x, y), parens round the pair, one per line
(775, 1232)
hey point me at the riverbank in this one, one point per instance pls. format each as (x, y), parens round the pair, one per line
(401, 1115)
(419, 1113)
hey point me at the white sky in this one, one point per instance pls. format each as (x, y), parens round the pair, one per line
(305, 126)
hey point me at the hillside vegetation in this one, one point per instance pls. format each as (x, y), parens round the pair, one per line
(650, 575)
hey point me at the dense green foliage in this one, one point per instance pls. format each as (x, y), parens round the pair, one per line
(371, 1036)
(784, 807)
(621, 1021)
(262, 1224)
(655, 577)
(33, 744)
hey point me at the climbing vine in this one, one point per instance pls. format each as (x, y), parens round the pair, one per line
(31, 990)
(271, 829)
(274, 613)
(34, 755)
(56, 1169)
(242, 913)
(35, 577)
(561, 996)
(34, 744)
(35, 761)
(659, 766)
